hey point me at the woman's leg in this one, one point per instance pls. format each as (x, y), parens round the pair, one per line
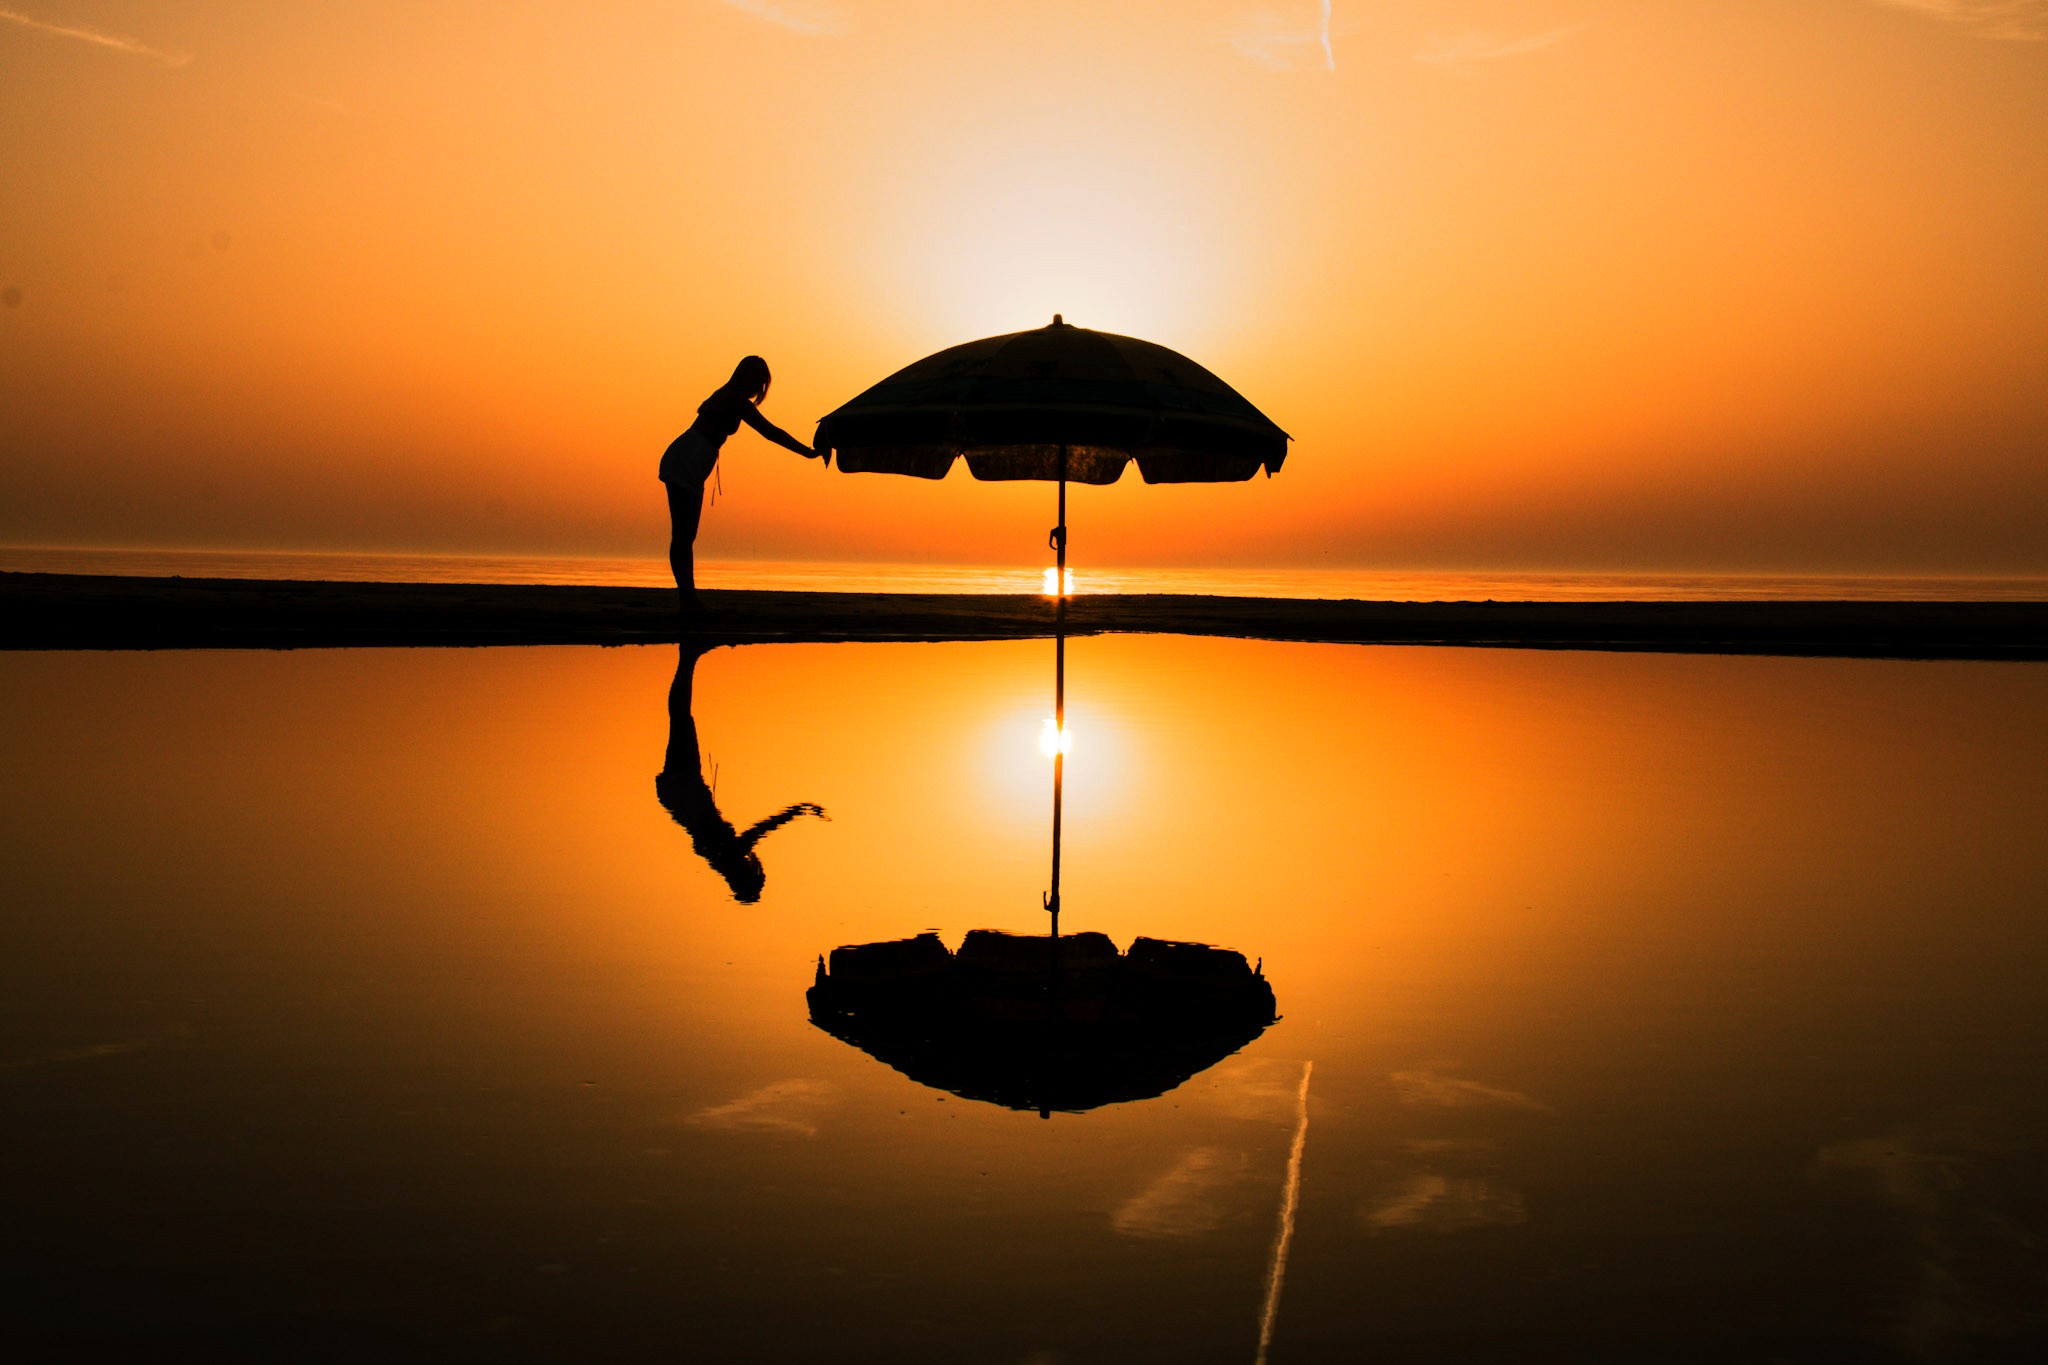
(685, 511)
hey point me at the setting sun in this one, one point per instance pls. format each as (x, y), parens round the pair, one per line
(1110, 237)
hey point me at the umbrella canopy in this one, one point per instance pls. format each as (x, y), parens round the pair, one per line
(1009, 404)
(1053, 1024)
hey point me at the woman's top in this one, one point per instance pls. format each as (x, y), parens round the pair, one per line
(719, 416)
(691, 455)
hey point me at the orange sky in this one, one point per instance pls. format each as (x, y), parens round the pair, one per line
(1742, 284)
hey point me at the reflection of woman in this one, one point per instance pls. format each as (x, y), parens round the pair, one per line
(690, 457)
(681, 789)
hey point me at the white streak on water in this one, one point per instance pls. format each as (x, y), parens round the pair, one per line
(1290, 1200)
(73, 1054)
(174, 1033)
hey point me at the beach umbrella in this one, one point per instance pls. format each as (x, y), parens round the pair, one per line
(1061, 404)
(1045, 1023)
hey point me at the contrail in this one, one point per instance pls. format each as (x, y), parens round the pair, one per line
(1329, 54)
(98, 39)
(1290, 1200)
(811, 19)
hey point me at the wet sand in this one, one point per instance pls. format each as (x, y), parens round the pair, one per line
(70, 611)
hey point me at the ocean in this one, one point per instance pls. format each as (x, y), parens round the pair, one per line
(1332, 584)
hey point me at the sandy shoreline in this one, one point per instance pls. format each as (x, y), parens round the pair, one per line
(73, 611)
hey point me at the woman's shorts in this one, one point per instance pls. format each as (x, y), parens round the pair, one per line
(688, 459)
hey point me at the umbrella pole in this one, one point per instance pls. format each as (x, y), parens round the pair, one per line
(1059, 689)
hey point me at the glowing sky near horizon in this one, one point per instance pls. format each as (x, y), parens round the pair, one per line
(1710, 284)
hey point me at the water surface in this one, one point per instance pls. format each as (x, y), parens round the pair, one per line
(376, 1005)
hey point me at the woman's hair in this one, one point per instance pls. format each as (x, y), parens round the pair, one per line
(750, 378)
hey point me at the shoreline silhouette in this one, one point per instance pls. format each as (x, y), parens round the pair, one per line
(87, 611)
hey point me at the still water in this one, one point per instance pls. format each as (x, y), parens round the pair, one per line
(379, 1005)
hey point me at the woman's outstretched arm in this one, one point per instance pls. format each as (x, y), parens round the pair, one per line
(763, 828)
(751, 415)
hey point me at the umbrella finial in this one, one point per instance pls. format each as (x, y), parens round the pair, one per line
(1058, 321)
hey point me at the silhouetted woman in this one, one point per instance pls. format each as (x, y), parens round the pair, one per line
(689, 459)
(681, 789)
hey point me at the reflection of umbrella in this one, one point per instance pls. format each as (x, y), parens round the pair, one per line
(1062, 404)
(1054, 1023)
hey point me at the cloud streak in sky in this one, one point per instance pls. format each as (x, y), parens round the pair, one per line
(2012, 21)
(112, 41)
(1282, 44)
(1461, 48)
(798, 16)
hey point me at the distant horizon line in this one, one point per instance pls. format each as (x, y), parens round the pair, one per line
(1022, 567)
